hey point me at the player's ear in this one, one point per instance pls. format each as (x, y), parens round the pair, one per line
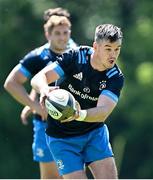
(46, 33)
(94, 45)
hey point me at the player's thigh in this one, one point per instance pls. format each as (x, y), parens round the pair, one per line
(67, 154)
(76, 175)
(104, 169)
(49, 171)
(98, 146)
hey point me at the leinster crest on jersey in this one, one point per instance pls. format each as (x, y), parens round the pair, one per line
(102, 85)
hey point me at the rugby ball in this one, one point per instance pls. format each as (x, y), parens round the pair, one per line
(60, 104)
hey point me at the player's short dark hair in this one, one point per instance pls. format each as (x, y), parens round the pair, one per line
(108, 32)
(56, 21)
(55, 11)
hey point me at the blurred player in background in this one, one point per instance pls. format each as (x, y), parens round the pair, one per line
(71, 44)
(95, 80)
(57, 31)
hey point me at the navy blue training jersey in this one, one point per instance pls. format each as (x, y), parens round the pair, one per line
(86, 84)
(36, 60)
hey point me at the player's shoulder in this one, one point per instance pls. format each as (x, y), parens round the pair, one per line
(115, 73)
(79, 49)
(84, 53)
(79, 54)
(115, 77)
(85, 49)
(38, 52)
(71, 44)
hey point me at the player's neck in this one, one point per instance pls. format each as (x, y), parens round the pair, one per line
(96, 64)
(57, 51)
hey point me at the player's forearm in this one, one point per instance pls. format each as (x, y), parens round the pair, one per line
(33, 95)
(97, 114)
(105, 106)
(38, 82)
(19, 93)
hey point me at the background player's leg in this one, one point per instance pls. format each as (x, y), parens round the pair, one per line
(49, 171)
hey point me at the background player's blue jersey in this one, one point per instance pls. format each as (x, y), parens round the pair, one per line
(86, 84)
(37, 59)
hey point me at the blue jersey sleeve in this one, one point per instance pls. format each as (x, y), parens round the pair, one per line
(32, 63)
(114, 87)
(116, 84)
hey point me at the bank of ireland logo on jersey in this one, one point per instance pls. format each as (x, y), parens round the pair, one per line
(102, 85)
(60, 164)
(78, 76)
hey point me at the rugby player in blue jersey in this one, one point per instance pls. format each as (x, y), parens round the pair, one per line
(57, 31)
(93, 77)
(71, 44)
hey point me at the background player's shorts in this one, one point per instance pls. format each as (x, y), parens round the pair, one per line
(72, 153)
(41, 152)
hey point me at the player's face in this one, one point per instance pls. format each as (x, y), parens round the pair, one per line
(59, 38)
(107, 53)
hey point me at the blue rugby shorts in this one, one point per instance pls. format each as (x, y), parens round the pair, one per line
(41, 152)
(72, 153)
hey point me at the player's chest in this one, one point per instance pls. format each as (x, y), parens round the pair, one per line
(88, 82)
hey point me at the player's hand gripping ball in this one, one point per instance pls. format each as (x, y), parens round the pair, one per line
(60, 104)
